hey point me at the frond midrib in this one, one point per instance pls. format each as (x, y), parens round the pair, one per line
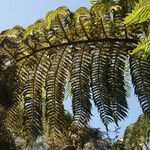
(125, 40)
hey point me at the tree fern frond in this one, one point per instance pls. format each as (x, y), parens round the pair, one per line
(99, 83)
(116, 79)
(33, 90)
(55, 87)
(62, 12)
(22, 76)
(105, 7)
(10, 42)
(38, 26)
(143, 48)
(15, 32)
(83, 23)
(108, 76)
(32, 113)
(140, 13)
(140, 72)
(6, 140)
(67, 44)
(80, 85)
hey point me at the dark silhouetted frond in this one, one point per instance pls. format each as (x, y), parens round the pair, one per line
(140, 72)
(6, 140)
(99, 83)
(55, 88)
(116, 81)
(80, 84)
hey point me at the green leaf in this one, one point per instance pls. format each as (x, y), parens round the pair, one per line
(143, 48)
(140, 13)
(35, 27)
(51, 15)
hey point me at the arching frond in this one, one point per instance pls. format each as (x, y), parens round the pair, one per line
(89, 46)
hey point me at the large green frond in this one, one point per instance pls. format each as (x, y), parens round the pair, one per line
(116, 82)
(140, 13)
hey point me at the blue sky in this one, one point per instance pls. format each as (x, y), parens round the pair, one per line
(25, 12)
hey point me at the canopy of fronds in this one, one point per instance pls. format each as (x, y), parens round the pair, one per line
(86, 48)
